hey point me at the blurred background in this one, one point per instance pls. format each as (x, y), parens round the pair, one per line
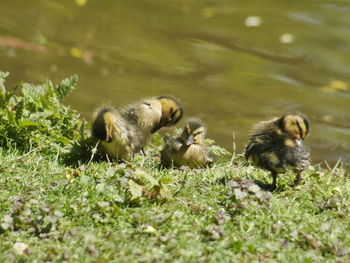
(231, 62)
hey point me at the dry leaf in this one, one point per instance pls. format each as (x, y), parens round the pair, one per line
(20, 248)
(253, 188)
(240, 195)
(313, 242)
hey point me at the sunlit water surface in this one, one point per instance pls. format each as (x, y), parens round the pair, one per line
(232, 63)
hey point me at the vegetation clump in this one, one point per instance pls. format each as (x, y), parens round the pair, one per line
(59, 204)
(33, 116)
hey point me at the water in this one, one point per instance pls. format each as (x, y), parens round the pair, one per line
(232, 63)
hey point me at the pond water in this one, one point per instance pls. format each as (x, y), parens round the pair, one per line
(231, 62)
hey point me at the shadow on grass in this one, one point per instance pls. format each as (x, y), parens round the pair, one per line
(269, 187)
(81, 153)
(265, 186)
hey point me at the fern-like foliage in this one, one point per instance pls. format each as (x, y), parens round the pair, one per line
(33, 116)
(66, 86)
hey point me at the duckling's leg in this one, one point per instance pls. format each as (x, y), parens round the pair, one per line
(142, 151)
(274, 177)
(297, 177)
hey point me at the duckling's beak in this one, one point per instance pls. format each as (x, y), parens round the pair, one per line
(189, 140)
(157, 127)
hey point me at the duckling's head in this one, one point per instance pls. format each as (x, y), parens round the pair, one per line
(296, 126)
(172, 112)
(193, 133)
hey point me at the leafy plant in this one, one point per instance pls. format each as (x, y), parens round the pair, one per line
(142, 184)
(34, 117)
(218, 151)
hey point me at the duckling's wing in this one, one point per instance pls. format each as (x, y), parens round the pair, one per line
(171, 148)
(173, 143)
(263, 136)
(298, 157)
(249, 149)
(130, 114)
(211, 158)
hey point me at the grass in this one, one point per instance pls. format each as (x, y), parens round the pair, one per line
(56, 205)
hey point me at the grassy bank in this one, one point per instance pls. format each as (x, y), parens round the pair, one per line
(58, 204)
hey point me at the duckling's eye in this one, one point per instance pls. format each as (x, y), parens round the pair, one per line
(147, 104)
(197, 133)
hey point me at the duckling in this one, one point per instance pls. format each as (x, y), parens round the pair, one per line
(152, 114)
(126, 132)
(119, 139)
(278, 144)
(188, 149)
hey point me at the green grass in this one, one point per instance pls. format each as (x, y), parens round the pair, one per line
(56, 205)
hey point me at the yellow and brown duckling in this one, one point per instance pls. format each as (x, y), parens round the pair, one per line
(126, 132)
(150, 115)
(278, 144)
(188, 149)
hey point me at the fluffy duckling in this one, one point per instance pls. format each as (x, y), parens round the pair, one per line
(188, 149)
(278, 144)
(128, 131)
(119, 139)
(152, 114)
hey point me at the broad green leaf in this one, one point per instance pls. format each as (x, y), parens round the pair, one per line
(165, 192)
(135, 189)
(166, 179)
(144, 175)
